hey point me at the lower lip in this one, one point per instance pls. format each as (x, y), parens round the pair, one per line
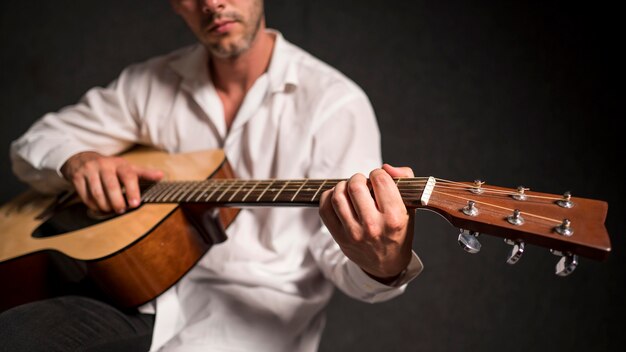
(223, 28)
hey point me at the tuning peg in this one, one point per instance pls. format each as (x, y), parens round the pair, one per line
(516, 251)
(520, 195)
(477, 188)
(566, 202)
(470, 209)
(565, 228)
(469, 241)
(516, 218)
(567, 264)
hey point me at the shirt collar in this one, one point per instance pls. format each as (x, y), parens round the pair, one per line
(282, 69)
(282, 74)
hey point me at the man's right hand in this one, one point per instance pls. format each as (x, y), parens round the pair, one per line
(106, 183)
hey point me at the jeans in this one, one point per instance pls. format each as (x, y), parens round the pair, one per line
(74, 323)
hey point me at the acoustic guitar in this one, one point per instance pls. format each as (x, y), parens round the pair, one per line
(54, 245)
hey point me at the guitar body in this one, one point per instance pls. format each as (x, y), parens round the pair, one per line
(50, 249)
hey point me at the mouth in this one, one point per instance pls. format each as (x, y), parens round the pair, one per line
(221, 26)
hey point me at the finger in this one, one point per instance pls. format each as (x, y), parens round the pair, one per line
(80, 185)
(148, 174)
(329, 217)
(130, 180)
(113, 190)
(96, 192)
(361, 198)
(386, 192)
(342, 205)
(398, 171)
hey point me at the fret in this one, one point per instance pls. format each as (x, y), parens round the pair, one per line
(318, 190)
(207, 198)
(280, 191)
(243, 184)
(298, 191)
(166, 192)
(197, 186)
(147, 196)
(265, 190)
(251, 189)
(206, 188)
(182, 191)
(224, 192)
(153, 192)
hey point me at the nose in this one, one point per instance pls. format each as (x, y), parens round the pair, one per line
(212, 6)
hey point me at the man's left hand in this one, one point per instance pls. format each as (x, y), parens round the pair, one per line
(374, 231)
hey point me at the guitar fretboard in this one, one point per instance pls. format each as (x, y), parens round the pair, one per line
(301, 192)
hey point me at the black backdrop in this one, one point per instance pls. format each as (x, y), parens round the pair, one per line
(511, 92)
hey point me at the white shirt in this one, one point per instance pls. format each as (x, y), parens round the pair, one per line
(265, 288)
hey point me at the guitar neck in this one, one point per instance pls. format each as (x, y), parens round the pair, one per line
(561, 222)
(236, 192)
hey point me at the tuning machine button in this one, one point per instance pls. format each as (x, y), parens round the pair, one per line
(516, 251)
(468, 240)
(567, 264)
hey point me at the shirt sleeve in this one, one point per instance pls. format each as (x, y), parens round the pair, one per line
(101, 121)
(347, 141)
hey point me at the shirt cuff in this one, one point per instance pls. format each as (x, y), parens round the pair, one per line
(369, 284)
(57, 157)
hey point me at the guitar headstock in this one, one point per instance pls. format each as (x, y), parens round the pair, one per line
(569, 226)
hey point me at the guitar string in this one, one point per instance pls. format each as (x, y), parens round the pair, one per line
(464, 198)
(314, 185)
(500, 207)
(176, 190)
(405, 189)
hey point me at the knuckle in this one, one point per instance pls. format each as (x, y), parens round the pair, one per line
(371, 228)
(395, 223)
(110, 181)
(126, 172)
(336, 199)
(355, 235)
(357, 185)
(353, 187)
(337, 196)
(97, 193)
(76, 178)
(91, 165)
(379, 176)
(358, 177)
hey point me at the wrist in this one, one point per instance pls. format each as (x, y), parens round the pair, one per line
(75, 161)
(386, 280)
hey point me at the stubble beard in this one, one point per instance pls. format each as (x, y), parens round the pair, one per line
(241, 45)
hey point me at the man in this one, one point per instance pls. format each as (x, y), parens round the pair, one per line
(278, 113)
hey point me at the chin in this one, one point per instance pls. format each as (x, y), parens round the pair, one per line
(228, 49)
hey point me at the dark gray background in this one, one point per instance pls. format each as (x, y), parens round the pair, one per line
(511, 92)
